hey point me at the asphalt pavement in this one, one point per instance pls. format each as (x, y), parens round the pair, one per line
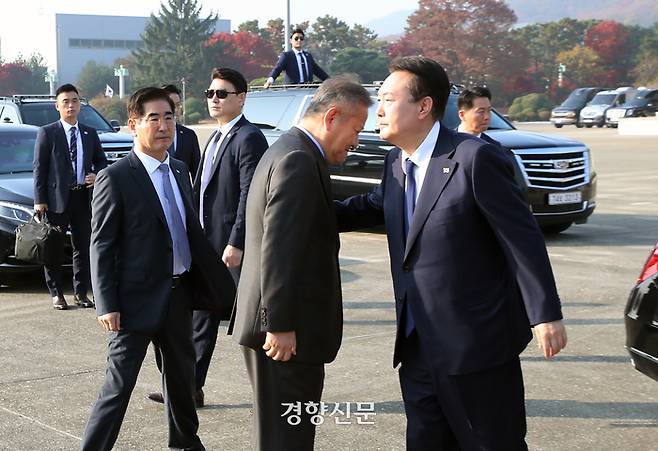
(588, 398)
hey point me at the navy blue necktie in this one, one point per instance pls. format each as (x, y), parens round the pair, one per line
(409, 205)
(182, 254)
(73, 151)
(304, 74)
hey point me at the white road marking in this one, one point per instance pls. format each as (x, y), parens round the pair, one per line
(37, 422)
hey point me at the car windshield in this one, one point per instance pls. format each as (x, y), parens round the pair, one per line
(16, 151)
(43, 113)
(279, 111)
(576, 99)
(603, 99)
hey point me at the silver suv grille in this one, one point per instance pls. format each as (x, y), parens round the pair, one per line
(555, 169)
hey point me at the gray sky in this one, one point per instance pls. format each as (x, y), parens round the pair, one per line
(28, 25)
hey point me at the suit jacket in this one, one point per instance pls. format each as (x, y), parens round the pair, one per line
(518, 174)
(187, 148)
(131, 250)
(52, 166)
(290, 277)
(474, 265)
(225, 197)
(288, 63)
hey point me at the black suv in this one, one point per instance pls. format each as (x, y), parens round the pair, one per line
(40, 110)
(568, 112)
(643, 104)
(558, 173)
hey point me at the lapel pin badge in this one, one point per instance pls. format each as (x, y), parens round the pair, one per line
(446, 170)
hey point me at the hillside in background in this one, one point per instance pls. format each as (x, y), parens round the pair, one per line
(629, 12)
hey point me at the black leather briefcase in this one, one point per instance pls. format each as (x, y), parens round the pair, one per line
(39, 242)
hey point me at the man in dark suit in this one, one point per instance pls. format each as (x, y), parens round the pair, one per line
(186, 144)
(299, 65)
(148, 260)
(474, 109)
(67, 156)
(220, 192)
(289, 310)
(470, 270)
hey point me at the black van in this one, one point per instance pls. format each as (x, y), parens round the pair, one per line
(569, 112)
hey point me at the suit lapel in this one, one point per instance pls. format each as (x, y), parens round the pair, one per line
(146, 186)
(62, 143)
(86, 148)
(395, 192)
(225, 142)
(186, 195)
(320, 162)
(439, 172)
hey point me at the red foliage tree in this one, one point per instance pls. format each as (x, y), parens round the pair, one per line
(14, 78)
(244, 51)
(609, 39)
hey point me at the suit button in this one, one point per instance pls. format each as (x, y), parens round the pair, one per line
(406, 268)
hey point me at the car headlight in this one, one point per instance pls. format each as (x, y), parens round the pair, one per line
(15, 212)
(571, 114)
(630, 112)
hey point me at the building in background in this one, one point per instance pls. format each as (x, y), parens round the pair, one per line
(81, 38)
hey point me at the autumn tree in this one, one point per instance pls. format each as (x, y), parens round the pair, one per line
(14, 79)
(645, 71)
(583, 67)
(369, 65)
(174, 46)
(244, 51)
(609, 39)
(470, 38)
(38, 68)
(93, 78)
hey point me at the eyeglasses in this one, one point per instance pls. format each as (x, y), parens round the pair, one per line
(221, 93)
(298, 38)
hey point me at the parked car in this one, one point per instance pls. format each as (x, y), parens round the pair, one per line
(641, 318)
(558, 173)
(569, 111)
(40, 110)
(594, 112)
(16, 192)
(643, 104)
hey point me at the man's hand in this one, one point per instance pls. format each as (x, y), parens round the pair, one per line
(232, 256)
(110, 321)
(90, 178)
(267, 84)
(551, 337)
(40, 208)
(280, 345)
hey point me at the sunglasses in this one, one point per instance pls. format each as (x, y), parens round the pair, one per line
(221, 93)
(298, 38)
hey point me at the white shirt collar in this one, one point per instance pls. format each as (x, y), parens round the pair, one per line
(224, 129)
(297, 51)
(312, 138)
(461, 129)
(151, 164)
(423, 153)
(68, 126)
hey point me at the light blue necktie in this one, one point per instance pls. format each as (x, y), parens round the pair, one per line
(409, 205)
(182, 255)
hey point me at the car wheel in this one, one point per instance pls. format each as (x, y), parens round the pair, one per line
(599, 125)
(554, 229)
(588, 125)
(579, 125)
(558, 125)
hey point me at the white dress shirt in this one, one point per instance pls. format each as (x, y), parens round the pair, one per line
(299, 54)
(421, 157)
(312, 138)
(151, 165)
(80, 176)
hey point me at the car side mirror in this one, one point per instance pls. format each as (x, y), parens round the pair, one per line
(115, 125)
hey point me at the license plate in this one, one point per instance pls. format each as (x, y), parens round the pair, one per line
(565, 198)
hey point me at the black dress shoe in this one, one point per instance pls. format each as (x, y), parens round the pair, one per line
(83, 301)
(157, 397)
(59, 303)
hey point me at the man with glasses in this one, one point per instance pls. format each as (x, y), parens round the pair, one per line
(186, 144)
(298, 64)
(67, 156)
(220, 194)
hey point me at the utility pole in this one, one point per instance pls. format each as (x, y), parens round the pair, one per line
(122, 73)
(51, 79)
(286, 41)
(182, 81)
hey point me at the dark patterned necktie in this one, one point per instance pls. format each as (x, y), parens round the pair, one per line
(73, 150)
(304, 74)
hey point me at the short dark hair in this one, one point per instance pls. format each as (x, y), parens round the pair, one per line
(144, 95)
(468, 96)
(232, 76)
(430, 80)
(337, 90)
(171, 89)
(296, 31)
(68, 87)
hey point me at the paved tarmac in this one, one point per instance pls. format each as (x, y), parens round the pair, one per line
(588, 398)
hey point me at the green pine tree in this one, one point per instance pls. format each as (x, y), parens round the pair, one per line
(174, 47)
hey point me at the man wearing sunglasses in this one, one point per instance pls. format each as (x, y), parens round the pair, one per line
(220, 194)
(299, 65)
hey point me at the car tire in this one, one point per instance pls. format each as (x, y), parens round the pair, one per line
(579, 125)
(599, 125)
(554, 229)
(558, 125)
(588, 125)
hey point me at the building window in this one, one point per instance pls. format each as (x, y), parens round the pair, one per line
(105, 43)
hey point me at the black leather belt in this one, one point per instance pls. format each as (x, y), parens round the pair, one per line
(78, 187)
(177, 280)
